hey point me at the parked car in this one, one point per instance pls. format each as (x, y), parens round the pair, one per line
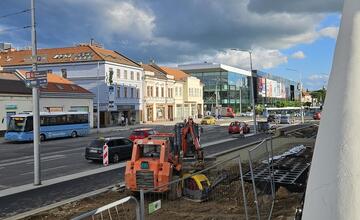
(119, 148)
(208, 120)
(142, 133)
(285, 119)
(246, 114)
(271, 118)
(237, 127)
(317, 116)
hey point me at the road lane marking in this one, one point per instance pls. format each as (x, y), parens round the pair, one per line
(42, 155)
(217, 142)
(32, 160)
(47, 159)
(44, 170)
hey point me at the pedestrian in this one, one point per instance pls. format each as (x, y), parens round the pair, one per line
(122, 120)
(126, 121)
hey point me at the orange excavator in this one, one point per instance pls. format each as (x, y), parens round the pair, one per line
(163, 158)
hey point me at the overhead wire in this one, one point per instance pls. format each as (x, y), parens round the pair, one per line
(14, 29)
(12, 14)
(15, 13)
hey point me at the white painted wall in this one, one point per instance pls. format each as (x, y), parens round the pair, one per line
(23, 103)
(85, 75)
(333, 191)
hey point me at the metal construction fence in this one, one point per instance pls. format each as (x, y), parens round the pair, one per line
(240, 187)
(126, 208)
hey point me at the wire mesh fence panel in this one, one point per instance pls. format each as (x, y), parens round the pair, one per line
(127, 208)
(261, 177)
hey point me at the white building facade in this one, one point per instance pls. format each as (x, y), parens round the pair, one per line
(159, 102)
(115, 79)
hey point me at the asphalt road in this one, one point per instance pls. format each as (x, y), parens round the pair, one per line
(65, 156)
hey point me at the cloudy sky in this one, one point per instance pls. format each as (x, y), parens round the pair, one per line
(287, 37)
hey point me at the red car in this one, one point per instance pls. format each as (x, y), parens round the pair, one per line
(239, 128)
(141, 133)
(317, 116)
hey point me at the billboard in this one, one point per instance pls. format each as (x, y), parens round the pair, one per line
(261, 86)
(275, 89)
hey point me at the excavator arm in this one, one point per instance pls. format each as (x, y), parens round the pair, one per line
(190, 142)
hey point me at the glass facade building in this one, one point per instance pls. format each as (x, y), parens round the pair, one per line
(270, 88)
(231, 84)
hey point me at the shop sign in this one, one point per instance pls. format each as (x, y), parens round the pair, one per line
(10, 107)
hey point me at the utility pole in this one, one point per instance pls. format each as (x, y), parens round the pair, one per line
(240, 100)
(216, 100)
(252, 92)
(300, 95)
(98, 101)
(35, 95)
(251, 86)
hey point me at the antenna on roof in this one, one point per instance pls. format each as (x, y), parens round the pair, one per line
(96, 44)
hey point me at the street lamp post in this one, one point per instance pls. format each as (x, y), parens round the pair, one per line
(251, 86)
(98, 101)
(300, 95)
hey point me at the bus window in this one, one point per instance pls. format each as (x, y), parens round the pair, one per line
(16, 124)
(29, 124)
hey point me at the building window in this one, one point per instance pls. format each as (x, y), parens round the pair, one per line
(137, 93)
(152, 91)
(162, 91)
(132, 75)
(111, 75)
(118, 91)
(157, 91)
(138, 76)
(125, 91)
(132, 92)
(125, 74)
(64, 73)
(148, 91)
(176, 91)
(118, 73)
(180, 91)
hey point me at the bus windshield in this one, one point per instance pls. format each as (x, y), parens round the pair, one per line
(17, 124)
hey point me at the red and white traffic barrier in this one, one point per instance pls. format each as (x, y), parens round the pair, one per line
(105, 155)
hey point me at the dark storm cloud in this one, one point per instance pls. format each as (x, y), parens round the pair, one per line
(295, 6)
(164, 30)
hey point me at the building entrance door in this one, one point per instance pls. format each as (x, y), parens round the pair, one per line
(149, 114)
(170, 113)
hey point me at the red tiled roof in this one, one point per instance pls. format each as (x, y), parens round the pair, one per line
(56, 84)
(178, 74)
(63, 88)
(51, 78)
(81, 53)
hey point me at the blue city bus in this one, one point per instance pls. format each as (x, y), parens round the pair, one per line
(52, 125)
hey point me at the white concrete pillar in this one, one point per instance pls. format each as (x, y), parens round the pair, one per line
(333, 190)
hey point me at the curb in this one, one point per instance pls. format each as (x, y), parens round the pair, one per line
(27, 187)
(73, 199)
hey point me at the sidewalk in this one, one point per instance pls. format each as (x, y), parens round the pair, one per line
(141, 125)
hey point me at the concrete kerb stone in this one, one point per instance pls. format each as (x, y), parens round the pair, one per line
(28, 187)
(73, 199)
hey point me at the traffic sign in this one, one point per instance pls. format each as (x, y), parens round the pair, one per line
(36, 79)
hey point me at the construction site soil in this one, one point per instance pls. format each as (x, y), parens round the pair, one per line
(226, 202)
